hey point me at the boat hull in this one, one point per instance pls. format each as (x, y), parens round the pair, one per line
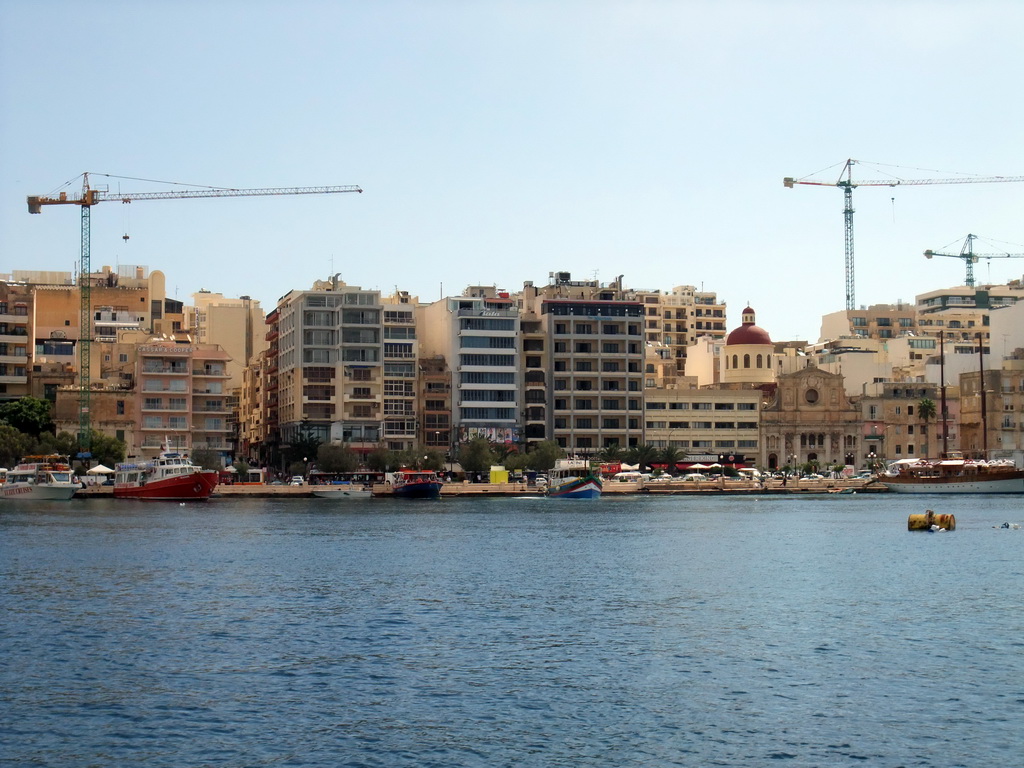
(195, 486)
(576, 488)
(956, 485)
(340, 494)
(49, 492)
(418, 490)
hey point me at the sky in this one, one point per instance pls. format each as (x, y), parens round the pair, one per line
(497, 142)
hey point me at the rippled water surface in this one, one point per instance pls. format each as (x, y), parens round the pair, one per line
(728, 631)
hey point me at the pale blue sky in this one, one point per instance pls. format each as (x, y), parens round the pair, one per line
(499, 141)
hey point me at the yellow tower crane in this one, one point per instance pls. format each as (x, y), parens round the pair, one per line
(89, 197)
(847, 185)
(970, 258)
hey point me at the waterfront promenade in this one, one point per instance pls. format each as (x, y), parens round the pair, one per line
(737, 486)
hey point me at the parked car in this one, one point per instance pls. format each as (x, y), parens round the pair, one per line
(812, 476)
(695, 476)
(297, 480)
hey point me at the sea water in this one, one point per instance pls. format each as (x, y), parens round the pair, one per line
(627, 631)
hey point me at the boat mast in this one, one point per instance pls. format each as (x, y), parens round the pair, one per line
(981, 389)
(942, 391)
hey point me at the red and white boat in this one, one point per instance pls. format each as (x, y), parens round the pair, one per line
(171, 477)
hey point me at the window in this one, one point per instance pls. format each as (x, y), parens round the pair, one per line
(120, 407)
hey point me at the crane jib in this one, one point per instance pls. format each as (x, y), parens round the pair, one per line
(93, 196)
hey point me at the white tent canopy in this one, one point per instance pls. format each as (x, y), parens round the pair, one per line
(99, 469)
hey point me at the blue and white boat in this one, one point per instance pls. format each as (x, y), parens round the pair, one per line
(573, 479)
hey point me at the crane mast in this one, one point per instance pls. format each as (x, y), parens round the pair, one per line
(847, 184)
(89, 197)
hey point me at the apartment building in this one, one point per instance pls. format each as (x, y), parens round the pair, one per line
(478, 335)
(584, 352)
(15, 340)
(674, 320)
(326, 365)
(992, 410)
(963, 311)
(400, 370)
(877, 321)
(181, 397)
(704, 423)
(236, 325)
(892, 423)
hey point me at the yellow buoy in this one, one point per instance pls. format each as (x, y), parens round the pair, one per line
(930, 521)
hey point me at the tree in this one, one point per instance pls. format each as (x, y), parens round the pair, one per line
(27, 414)
(544, 455)
(433, 459)
(380, 459)
(13, 445)
(642, 455)
(476, 455)
(926, 411)
(669, 455)
(203, 457)
(336, 458)
(611, 453)
(106, 450)
(64, 444)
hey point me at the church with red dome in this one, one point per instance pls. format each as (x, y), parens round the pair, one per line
(747, 355)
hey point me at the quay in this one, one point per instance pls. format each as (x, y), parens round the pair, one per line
(466, 489)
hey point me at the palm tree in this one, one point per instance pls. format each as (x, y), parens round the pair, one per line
(926, 411)
(611, 453)
(669, 455)
(642, 455)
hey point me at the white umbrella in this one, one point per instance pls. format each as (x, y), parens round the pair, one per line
(699, 466)
(99, 469)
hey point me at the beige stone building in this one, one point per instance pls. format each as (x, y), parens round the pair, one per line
(705, 423)
(16, 339)
(810, 419)
(236, 325)
(878, 321)
(893, 427)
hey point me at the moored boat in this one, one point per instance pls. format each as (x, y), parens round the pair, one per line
(170, 477)
(416, 484)
(953, 475)
(342, 491)
(573, 479)
(40, 478)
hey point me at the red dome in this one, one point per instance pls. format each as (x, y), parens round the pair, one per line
(748, 333)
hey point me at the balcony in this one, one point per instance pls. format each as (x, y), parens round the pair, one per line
(219, 372)
(168, 369)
